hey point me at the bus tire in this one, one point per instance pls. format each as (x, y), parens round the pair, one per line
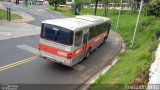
(88, 53)
(103, 40)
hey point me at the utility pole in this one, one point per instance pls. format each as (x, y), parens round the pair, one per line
(135, 30)
(119, 15)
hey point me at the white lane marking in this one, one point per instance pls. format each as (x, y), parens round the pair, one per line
(79, 67)
(5, 33)
(28, 48)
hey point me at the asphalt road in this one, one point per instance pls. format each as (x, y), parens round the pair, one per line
(37, 72)
(39, 12)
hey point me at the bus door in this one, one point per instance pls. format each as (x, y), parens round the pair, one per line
(85, 40)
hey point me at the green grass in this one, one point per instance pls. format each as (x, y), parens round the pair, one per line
(66, 11)
(3, 15)
(134, 61)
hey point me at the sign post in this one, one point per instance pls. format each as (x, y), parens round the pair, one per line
(8, 14)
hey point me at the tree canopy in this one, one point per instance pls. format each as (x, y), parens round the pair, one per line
(153, 8)
(56, 2)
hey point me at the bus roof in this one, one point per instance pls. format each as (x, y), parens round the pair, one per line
(77, 22)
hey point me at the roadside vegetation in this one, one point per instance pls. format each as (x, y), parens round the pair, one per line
(133, 65)
(65, 11)
(3, 15)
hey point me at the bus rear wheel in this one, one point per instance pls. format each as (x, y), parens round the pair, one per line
(104, 40)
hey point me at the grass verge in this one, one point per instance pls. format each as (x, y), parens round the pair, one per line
(65, 11)
(3, 15)
(134, 62)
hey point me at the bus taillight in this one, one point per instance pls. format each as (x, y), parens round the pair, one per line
(69, 55)
(39, 47)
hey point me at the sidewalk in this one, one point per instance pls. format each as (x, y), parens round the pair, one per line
(1, 6)
(25, 18)
(16, 30)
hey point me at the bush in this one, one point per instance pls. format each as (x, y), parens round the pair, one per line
(153, 8)
(157, 33)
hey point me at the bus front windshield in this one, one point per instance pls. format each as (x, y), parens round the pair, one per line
(57, 34)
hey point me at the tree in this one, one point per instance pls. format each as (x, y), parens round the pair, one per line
(96, 5)
(115, 2)
(78, 5)
(86, 2)
(106, 2)
(136, 4)
(153, 8)
(95, 11)
(56, 2)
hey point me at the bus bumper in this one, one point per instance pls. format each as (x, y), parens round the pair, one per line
(66, 62)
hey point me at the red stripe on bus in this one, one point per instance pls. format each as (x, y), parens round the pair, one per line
(52, 50)
(65, 54)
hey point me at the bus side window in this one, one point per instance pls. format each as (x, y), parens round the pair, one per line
(91, 32)
(98, 29)
(101, 29)
(106, 27)
(78, 38)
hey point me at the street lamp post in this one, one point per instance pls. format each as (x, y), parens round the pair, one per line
(135, 30)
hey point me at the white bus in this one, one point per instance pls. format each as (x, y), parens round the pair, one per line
(69, 40)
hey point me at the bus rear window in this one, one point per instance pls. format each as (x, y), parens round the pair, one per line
(57, 34)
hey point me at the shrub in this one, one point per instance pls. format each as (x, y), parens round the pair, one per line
(157, 33)
(153, 8)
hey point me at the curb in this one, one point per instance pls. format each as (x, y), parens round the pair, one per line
(25, 18)
(123, 44)
(105, 68)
